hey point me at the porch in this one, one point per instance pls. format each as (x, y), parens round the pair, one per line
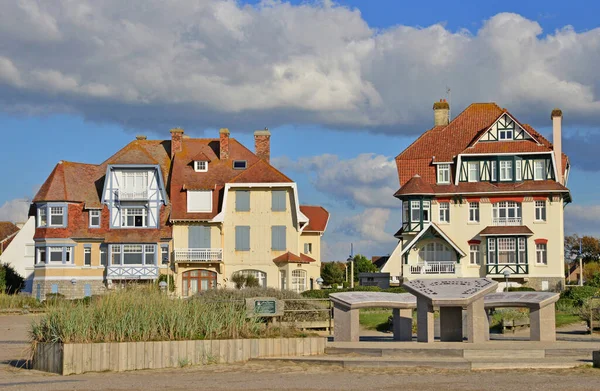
(442, 267)
(189, 255)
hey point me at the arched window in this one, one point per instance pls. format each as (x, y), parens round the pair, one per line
(435, 252)
(194, 281)
(260, 276)
(298, 280)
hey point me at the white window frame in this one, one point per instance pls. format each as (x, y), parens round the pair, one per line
(54, 249)
(470, 167)
(95, 214)
(258, 274)
(522, 257)
(128, 212)
(191, 208)
(474, 254)
(435, 252)
(518, 170)
(507, 206)
(200, 166)
(507, 246)
(308, 248)
(415, 206)
(503, 134)
(427, 207)
(42, 212)
(443, 173)
(540, 211)
(542, 164)
(87, 251)
(541, 254)
(494, 170)
(506, 170)
(491, 247)
(298, 280)
(474, 212)
(52, 212)
(444, 212)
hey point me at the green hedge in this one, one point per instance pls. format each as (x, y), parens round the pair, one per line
(580, 294)
(324, 293)
(520, 289)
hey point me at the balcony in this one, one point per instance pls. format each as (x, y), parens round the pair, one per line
(506, 221)
(131, 195)
(198, 254)
(433, 268)
(132, 272)
(512, 268)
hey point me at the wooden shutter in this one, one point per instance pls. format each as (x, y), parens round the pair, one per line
(278, 200)
(242, 200)
(278, 238)
(198, 236)
(242, 238)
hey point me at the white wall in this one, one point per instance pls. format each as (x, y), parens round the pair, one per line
(21, 251)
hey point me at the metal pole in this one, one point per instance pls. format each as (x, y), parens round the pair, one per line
(352, 274)
(580, 264)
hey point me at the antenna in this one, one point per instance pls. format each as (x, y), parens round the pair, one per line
(449, 95)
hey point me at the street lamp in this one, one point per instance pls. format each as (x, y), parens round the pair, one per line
(351, 260)
(506, 275)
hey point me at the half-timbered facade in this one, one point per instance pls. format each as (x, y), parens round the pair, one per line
(482, 195)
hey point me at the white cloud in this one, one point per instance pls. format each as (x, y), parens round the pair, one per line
(15, 210)
(368, 180)
(368, 225)
(201, 63)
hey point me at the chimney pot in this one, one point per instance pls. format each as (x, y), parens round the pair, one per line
(176, 141)
(224, 144)
(262, 144)
(141, 137)
(441, 113)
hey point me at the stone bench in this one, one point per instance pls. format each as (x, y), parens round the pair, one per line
(346, 307)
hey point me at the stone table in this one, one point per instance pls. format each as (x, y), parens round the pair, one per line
(542, 319)
(346, 307)
(451, 296)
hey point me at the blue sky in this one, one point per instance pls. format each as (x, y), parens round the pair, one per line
(344, 87)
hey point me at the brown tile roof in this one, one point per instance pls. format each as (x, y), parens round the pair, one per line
(506, 147)
(379, 261)
(293, 258)
(7, 229)
(488, 187)
(318, 217)
(415, 185)
(506, 230)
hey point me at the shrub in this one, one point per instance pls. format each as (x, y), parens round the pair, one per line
(10, 281)
(579, 294)
(520, 289)
(244, 281)
(18, 302)
(169, 278)
(585, 311)
(567, 305)
(324, 293)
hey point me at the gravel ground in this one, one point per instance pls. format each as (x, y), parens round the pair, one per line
(274, 376)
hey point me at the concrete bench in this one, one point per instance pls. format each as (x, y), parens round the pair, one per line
(346, 307)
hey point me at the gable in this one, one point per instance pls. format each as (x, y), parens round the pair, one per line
(505, 128)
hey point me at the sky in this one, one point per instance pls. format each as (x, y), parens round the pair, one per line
(344, 86)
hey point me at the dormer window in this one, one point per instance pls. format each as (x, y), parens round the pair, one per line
(505, 134)
(443, 173)
(200, 166)
(506, 170)
(239, 164)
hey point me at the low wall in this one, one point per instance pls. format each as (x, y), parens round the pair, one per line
(69, 359)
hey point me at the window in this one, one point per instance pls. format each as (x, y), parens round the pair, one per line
(135, 181)
(405, 211)
(87, 256)
(55, 254)
(164, 250)
(278, 200)
(443, 173)
(494, 171)
(415, 211)
(435, 252)
(505, 134)
(260, 276)
(474, 212)
(282, 279)
(538, 170)
(87, 290)
(474, 254)
(298, 280)
(94, 218)
(132, 254)
(57, 216)
(41, 255)
(134, 217)
(199, 201)
(506, 170)
(194, 281)
(200, 166)
(491, 244)
(242, 238)
(506, 213)
(239, 164)
(541, 254)
(522, 251)
(507, 250)
(103, 256)
(307, 248)
(115, 251)
(518, 170)
(426, 208)
(444, 212)
(242, 201)
(540, 210)
(473, 171)
(54, 288)
(278, 238)
(68, 254)
(149, 254)
(42, 217)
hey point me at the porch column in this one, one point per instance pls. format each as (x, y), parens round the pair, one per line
(346, 325)
(424, 320)
(542, 323)
(402, 323)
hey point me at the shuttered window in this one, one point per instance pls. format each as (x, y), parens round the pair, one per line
(199, 201)
(242, 201)
(278, 200)
(242, 238)
(278, 238)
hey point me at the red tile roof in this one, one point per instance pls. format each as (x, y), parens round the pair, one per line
(415, 185)
(506, 147)
(506, 230)
(318, 217)
(7, 229)
(293, 258)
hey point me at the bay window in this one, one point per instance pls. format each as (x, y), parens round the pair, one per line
(507, 250)
(298, 280)
(443, 173)
(42, 217)
(133, 254)
(54, 255)
(426, 210)
(518, 170)
(522, 251)
(134, 217)
(491, 246)
(506, 170)
(415, 211)
(538, 170)
(52, 215)
(473, 171)
(41, 255)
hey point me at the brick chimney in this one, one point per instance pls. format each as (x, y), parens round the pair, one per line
(262, 144)
(557, 143)
(441, 111)
(176, 141)
(224, 144)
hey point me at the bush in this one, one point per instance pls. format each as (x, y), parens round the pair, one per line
(165, 277)
(10, 281)
(10, 302)
(244, 281)
(520, 289)
(585, 312)
(579, 294)
(324, 293)
(567, 305)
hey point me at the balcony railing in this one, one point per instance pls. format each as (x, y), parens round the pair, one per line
(198, 255)
(512, 268)
(506, 221)
(132, 272)
(131, 195)
(433, 268)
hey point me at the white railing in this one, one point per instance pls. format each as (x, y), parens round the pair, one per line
(131, 194)
(198, 254)
(506, 221)
(433, 268)
(131, 272)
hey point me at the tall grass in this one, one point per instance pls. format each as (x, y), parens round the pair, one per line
(142, 314)
(13, 302)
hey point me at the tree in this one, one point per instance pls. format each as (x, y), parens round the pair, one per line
(590, 248)
(332, 273)
(363, 265)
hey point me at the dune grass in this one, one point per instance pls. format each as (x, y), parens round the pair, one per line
(14, 302)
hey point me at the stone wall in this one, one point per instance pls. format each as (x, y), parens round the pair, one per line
(555, 284)
(67, 288)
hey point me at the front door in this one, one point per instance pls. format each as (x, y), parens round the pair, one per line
(194, 281)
